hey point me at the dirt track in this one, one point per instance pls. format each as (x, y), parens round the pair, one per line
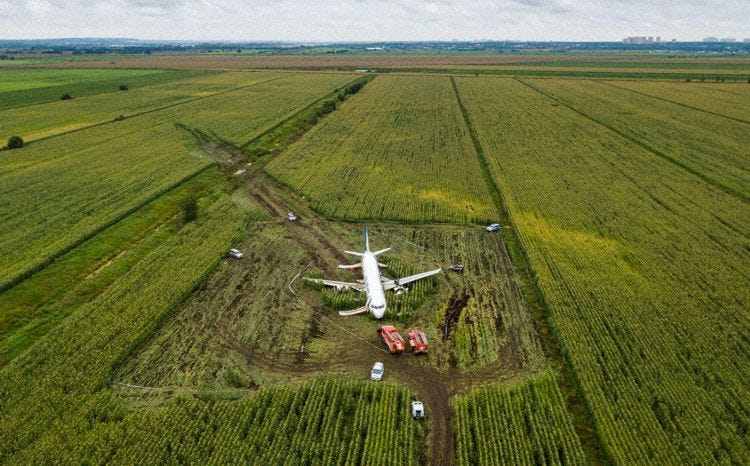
(434, 386)
(430, 384)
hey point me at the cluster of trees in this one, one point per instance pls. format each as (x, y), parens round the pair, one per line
(14, 142)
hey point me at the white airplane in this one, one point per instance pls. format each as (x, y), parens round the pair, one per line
(374, 285)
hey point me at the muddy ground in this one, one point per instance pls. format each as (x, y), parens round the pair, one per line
(221, 321)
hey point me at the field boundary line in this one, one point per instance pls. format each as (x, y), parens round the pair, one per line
(726, 189)
(294, 113)
(153, 110)
(583, 421)
(489, 180)
(664, 99)
(13, 281)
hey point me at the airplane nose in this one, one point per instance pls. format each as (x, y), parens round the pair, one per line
(378, 313)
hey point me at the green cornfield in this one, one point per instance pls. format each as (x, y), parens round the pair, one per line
(525, 423)
(642, 261)
(398, 150)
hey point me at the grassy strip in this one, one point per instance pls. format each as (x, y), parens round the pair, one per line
(722, 187)
(30, 309)
(582, 418)
(494, 190)
(283, 134)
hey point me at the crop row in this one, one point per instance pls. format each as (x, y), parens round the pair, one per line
(643, 266)
(60, 190)
(50, 391)
(327, 421)
(241, 115)
(43, 120)
(714, 147)
(731, 99)
(20, 87)
(398, 150)
(29, 309)
(518, 424)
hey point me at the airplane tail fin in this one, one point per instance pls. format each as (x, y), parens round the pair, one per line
(367, 244)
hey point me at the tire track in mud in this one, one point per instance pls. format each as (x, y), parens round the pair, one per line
(434, 386)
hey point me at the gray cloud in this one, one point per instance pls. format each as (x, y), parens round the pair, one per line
(341, 20)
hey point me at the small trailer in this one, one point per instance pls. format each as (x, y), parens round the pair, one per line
(392, 339)
(418, 341)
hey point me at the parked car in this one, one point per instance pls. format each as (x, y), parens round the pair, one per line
(377, 371)
(236, 253)
(493, 227)
(417, 410)
(291, 217)
(456, 268)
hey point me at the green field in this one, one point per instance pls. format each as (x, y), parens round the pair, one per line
(53, 204)
(642, 263)
(712, 147)
(521, 424)
(120, 173)
(393, 153)
(49, 119)
(20, 88)
(607, 323)
(728, 100)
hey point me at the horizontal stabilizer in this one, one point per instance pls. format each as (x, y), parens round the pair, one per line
(381, 265)
(352, 266)
(381, 251)
(359, 310)
(358, 254)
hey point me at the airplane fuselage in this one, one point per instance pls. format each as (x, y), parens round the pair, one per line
(373, 285)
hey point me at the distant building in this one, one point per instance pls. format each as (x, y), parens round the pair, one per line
(711, 39)
(728, 39)
(642, 40)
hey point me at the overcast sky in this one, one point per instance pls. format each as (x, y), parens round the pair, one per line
(373, 20)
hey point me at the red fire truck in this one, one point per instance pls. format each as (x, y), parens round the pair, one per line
(418, 341)
(391, 338)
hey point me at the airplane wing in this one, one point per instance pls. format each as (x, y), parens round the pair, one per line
(339, 285)
(390, 284)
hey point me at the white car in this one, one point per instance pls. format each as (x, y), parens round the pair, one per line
(417, 410)
(291, 217)
(493, 227)
(377, 371)
(236, 253)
